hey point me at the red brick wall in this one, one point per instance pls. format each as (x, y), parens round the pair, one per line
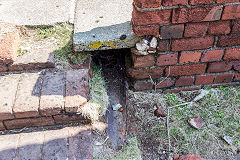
(198, 44)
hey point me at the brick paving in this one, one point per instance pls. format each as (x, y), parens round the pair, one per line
(73, 143)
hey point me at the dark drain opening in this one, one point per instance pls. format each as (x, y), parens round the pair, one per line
(112, 64)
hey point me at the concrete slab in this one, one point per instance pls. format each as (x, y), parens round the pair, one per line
(32, 12)
(101, 25)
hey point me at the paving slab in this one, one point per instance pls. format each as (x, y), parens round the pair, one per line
(100, 25)
(32, 12)
(8, 146)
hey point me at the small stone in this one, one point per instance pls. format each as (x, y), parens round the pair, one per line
(153, 43)
(176, 157)
(159, 113)
(124, 36)
(228, 139)
(196, 122)
(116, 107)
(142, 45)
(190, 157)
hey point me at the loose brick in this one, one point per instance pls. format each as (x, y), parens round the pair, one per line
(77, 89)
(228, 40)
(35, 122)
(232, 53)
(204, 79)
(142, 85)
(8, 47)
(176, 90)
(66, 119)
(184, 81)
(52, 100)
(145, 73)
(196, 2)
(1, 126)
(150, 30)
(236, 65)
(219, 27)
(212, 55)
(143, 61)
(172, 31)
(8, 89)
(219, 67)
(148, 3)
(197, 14)
(195, 29)
(192, 43)
(226, 1)
(163, 45)
(27, 97)
(151, 17)
(3, 68)
(236, 26)
(174, 2)
(8, 146)
(237, 77)
(188, 57)
(231, 12)
(223, 78)
(165, 83)
(182, 70)
(167, 59)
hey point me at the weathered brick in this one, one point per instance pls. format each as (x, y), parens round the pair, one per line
(151, 17)
(195, 29)
(192, 43)
(219, 27)
(174, 2)
(148, 3)
(197, 14)
(8, 89)
(172, 31)
(77, 89)
(27, 97)
(3, 68)
(163, 45)
(182, 70)
(236, 65)
(143, 61)
(66, 119)
(1, 126)
(196, 2)
(212, 55)
(223, 78)
(228, 40)
(232, 53)
(176, 90)
(167, 59)
(142, 85)
(8, 146)
(236, 26)
(35, 122)
(8, 47)
(52, 100)
(145, 73)
(204, 79)
(237, 77)
(164, 83)
(231, 12)
(226, 1)
(224, 85)
(184, 81)
(188, 57)
(150, 30)
(219, 67)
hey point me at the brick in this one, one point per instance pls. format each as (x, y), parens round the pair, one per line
(219, 67)
(145, 73)
(197, 14)
(232, 53)
(25, 146)
(192, 43)
(167, 59)
(219, 27)
(237, 77)
(3, 68)
(77, 89)
(228, 40)
(52, 100)
(172, 31)
(204, 79)
(236, 26)
(66, 119)
(224, 85)
(28, 95)
(223, 78)
(8, 146)
(143, 61)
(150, 30)
(148, 3)
(195, 29)
(163, 45)
(212, 55)
(196, 2)
(236, 65)
(151, 17)
(188, 57)
(33, 122)
(1, 126)
(8, 47)
(142, 85)
(174, 2)
(184, 81)
(183, 70)
(8, 89)
(226, 1)
(165, 83)
(176, 90)
(231, 12)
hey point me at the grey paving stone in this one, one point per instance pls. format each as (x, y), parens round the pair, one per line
(8, 146)
(52, 94)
